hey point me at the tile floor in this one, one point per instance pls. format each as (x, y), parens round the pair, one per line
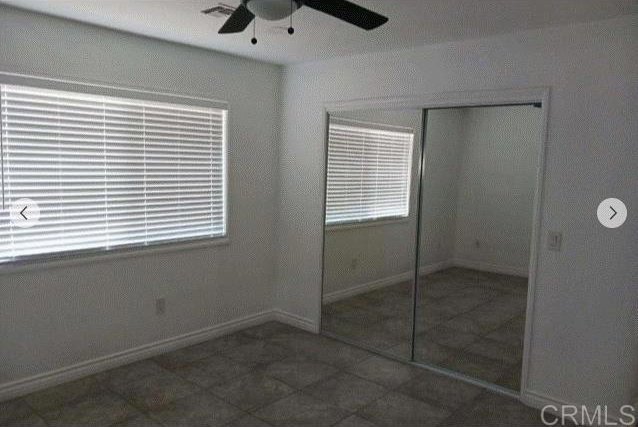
(467, 321)
(269, 375)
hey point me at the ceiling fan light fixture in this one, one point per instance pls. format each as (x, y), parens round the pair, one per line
(272, 10)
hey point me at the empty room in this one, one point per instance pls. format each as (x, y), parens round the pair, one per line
(318, 213)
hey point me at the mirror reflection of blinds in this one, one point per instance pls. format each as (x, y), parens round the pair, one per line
(109, 172)
(369, 171)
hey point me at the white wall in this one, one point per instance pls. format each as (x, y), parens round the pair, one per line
(361, 254)
(53, 317)
(444, 147)
(584, 341)
(496, 186)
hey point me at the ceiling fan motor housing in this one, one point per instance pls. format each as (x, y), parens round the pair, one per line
(272, 10)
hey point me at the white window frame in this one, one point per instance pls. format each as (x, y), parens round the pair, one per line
(369, 222)
(72, 257)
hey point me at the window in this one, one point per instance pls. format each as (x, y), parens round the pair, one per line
(109, 172)
(369, 171)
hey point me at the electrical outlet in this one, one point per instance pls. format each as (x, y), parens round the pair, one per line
(554, 240)
(160, 306)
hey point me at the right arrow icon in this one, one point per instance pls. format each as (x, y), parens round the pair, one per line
(617, 216)
(614, 211)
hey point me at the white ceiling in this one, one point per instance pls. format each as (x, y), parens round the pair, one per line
(318, 36)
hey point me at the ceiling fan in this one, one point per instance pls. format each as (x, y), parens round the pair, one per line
(273, 10)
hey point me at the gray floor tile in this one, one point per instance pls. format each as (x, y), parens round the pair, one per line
(430, 352)
(299, 372)
(62, 394)
(496, 350)
(12, 410)
(377, 335)
(346, 391)
(97, 409)
(495, 411)
(403, 351)
(386, 372)
(212, 371)
(362, 317)
(466, 324)
(267, 330)
(355, 421)
(201, 409)
(395, 409)
(293, 340)
(271, 362)
(511, 378)
(154, 391)
(248, 421)
(329, 351)
(131, 372)
(301, 410)
(252, 391)
(448, 337)
(439, 288)
(440, 390)
(226, 342)
(32, 420)
(137, 421)
(511, 332)
(458, 303)
(475, 366)
(184, 356)
(257, 352)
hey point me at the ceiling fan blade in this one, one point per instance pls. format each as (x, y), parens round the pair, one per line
(238, 21)
(349, 12)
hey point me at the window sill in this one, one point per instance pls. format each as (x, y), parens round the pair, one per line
(100, 255)
(363, 224)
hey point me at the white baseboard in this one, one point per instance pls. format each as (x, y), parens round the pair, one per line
(492, 268)
(366, 287)
(89, 367)
(434, 267)
(423, 270)
(296, 321)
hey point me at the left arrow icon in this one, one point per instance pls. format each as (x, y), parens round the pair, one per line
(25, 213)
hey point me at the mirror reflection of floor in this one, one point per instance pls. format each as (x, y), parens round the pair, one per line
(468, 321)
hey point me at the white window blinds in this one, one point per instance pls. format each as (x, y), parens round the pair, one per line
(369, 171)
(109, 172)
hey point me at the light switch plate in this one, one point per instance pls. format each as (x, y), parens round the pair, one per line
(554, 240)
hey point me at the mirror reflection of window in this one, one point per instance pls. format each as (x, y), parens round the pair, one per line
(369, 169)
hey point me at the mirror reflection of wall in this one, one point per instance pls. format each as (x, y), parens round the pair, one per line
(370, 236)
(478, 192)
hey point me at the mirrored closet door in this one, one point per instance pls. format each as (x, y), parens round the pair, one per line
(428, 231)
(478, 190)
(370, 228)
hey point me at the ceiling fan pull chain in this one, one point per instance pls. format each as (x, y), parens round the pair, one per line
(254, 39)
(290, 29)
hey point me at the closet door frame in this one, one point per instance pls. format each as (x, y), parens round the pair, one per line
(460, 99)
